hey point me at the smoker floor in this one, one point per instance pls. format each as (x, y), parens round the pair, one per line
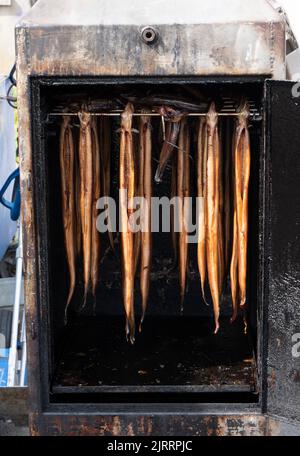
(171, 355)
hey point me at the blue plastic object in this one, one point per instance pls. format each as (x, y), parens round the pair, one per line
(4, 355)
(15, 205)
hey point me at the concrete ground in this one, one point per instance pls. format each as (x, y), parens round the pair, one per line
(13, 412)
(8, 427)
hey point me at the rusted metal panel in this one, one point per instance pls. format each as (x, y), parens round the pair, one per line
(154, 425)
(197, 38)
(28, 219)
(179, 51)
(232, 49)
(144, 425)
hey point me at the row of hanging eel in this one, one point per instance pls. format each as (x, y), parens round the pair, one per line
(84, 171)
(84, 178)
(135, 247)
(215, 208)
(214, 190)
(222, 172)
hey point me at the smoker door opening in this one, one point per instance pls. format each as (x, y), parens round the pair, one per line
(176, 356)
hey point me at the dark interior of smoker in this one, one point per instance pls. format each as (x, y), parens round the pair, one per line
(176, 357)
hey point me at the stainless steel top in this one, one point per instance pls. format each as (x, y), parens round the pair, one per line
(137, 12)
(195, 38)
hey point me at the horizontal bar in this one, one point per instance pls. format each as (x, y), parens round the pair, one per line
(166, 389)
(150, 114)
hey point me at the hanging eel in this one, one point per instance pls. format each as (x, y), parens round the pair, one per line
(139, 148)
(95, 254)
(78, 229)
(234, 256)
(227, 195)
(86, 194)
(183, 188)
(127, 192)
(68, 200)
(221, 212)
(173, 213)
(146, 193)
(201, 192)
(242, 178)
(212, 203)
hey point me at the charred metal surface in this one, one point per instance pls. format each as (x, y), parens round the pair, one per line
(150, 425)
(235, 425)
(197, 39)
(28, 220)
(178, 51)
(174, 355)
(283, 292)
(157, 425)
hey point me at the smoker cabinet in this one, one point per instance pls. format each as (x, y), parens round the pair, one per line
(85, 49)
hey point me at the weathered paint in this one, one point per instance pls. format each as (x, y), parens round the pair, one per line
(155, 425)
(163, 425)
(27, 191)
(231, 49)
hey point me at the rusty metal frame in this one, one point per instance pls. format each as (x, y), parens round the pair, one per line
(47, 418)
(125, 419)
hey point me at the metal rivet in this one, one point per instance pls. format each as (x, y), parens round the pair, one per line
(149, 35)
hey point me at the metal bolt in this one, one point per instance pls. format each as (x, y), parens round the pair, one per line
(149, 35)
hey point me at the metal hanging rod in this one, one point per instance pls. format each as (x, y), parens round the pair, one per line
(151, 114)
